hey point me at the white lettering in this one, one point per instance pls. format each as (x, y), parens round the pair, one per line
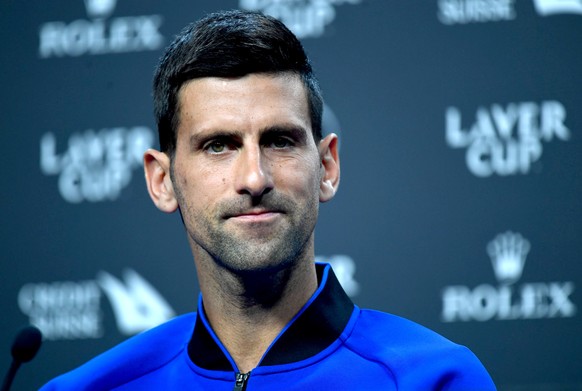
(70, 326)
(304, 18)
(469, 11)
(456, 303)
(552, 121)
(80, 37)
(505, 119)
(97, 165)
(561, 306)
(63, 310)
(50, 164)
(506, 140)
(486, 302)
(478, 158)
(456, 137)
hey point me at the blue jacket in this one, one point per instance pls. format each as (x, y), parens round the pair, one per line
(331, 344)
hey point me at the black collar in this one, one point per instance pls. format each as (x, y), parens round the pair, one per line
(319, 323)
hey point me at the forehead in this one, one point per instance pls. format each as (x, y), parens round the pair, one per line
(243, 103)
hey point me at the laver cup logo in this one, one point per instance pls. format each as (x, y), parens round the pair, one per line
(100, 35)
(505, 139)
(506, 301)
(306, 18)
(95, 165)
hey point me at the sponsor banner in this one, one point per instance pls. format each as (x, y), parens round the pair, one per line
(100, 34)
(454, 12)
(68, 310)
(508, 300)
(73, 310)
(505, 139)
(306, 18)
(97, 165)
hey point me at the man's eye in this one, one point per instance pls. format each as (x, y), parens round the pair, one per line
(216, 147)
(281, 142)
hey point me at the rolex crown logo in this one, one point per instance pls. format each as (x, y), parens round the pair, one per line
(99, 8)
(508, 252)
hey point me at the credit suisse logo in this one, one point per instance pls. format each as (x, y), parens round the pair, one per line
(100, 34)
(454, 12)
(69, 310)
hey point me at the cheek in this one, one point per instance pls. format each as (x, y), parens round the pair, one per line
(197, 188)
(301, 176)
(183, 184)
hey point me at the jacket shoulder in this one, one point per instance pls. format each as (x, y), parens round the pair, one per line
(416, 355)
(130, 359)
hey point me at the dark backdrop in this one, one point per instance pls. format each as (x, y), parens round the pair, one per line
(459, 205)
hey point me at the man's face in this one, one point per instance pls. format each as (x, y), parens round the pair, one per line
(246, 171)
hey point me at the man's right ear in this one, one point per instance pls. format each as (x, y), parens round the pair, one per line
(157, 174)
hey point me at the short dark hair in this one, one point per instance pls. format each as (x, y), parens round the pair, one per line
(229, 44)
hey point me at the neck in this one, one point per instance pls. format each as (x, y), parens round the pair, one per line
(248, 310)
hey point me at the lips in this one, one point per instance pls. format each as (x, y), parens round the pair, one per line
(254, 214)
(241, 207)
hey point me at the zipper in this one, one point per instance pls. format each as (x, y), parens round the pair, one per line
(240, 383)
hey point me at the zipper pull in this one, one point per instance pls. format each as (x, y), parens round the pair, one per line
(240, 383)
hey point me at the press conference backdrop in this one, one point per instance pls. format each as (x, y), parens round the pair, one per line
(459, 207)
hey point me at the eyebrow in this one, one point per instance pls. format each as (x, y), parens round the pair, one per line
(199, 139)
(298, 133)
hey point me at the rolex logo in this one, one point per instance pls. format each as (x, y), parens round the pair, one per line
(551, 7)
(99, 8)
(508, 252)
(99, 34)
(527, 300)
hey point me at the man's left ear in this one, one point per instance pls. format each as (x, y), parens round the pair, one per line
(329, 155)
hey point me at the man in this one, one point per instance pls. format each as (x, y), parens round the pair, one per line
(244, 161)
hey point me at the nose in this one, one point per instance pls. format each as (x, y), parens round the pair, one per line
(253, 172)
